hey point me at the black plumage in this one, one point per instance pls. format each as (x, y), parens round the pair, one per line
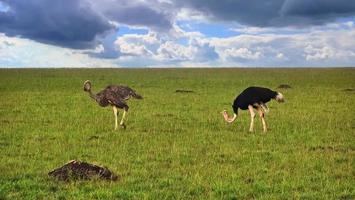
(253, 98)
(115, 96)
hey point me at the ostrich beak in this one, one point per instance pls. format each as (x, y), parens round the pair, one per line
(225, 115)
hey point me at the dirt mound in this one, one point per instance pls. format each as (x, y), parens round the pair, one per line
(284, 86)
(94, 137)
(184, 91)
(77, 170)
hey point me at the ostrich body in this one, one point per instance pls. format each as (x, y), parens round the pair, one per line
(115, 96)
(253, 98)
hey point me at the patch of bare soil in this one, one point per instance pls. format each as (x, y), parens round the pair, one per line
(349, 90)
(284, 86)
(184, 91)
(331, 149)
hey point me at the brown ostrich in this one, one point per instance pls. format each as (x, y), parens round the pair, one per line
(253, 98)
(115, 96)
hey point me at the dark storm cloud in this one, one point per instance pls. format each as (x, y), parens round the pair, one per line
(68, 23)
(318, 8)
(254, 12)
(273, 12)
(78, 23)
(154, 14)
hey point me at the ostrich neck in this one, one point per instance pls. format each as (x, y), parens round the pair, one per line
(231, 119)
(92, 95)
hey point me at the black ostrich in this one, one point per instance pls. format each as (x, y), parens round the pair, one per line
(114, 95)
(253, 98)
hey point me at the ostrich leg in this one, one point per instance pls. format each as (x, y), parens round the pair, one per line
(264, 107)
(123, 118)
(252, 116)
(262, 115)
(115, 112)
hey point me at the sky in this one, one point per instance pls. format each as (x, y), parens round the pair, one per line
(177, 33)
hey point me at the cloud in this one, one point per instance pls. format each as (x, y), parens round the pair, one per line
(27, 53)
(319, 47)
(138, 45)
(203, 51)
(157, 49)
(177, 33)
(273, 13)
(318, 8)
(153, 14)
(107, 49)
(66, 23)
(80, 24)
(312, 53)
(242, 53)
(174, 52)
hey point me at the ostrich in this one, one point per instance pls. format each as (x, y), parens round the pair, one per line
(253, 98)
(114, 95)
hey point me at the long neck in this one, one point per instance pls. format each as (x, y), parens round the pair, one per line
(92, 95)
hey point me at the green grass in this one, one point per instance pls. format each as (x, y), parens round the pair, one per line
(177, 146)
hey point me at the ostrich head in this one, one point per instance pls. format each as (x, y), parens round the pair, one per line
(227, 118)
(279, 97)
(87, 86)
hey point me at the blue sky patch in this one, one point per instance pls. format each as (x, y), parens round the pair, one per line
(3, 7)
(209, 30)
(123, 30)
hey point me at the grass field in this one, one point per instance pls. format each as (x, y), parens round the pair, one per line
(176, 145)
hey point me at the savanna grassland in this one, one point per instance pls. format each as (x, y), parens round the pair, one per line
(176, 145)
